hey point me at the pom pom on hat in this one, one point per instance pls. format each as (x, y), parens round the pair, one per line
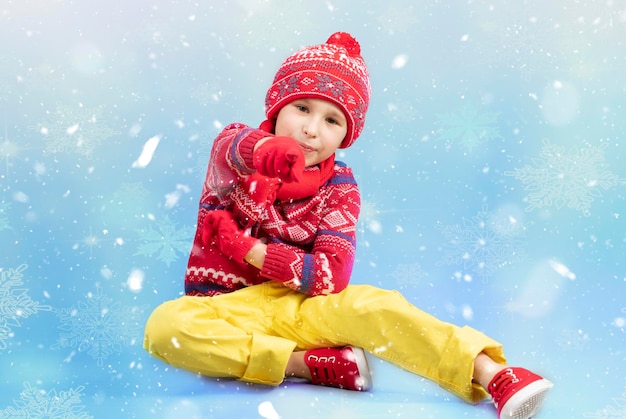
(334, 71)
(347, 41)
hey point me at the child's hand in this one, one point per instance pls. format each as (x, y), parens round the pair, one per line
(261, 189)
(280, 157)
(220, 227)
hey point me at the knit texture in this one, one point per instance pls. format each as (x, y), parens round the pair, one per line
(311, 241)
(333, 71)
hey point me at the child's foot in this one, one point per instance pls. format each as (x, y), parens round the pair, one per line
(518, 393)
(339, 367)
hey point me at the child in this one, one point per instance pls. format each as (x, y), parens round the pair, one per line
(267, 294)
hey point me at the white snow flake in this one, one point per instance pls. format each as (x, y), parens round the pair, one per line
(615, 411)
(98, 326)
(165, 241)
(562, 178)
(35, 403)
(481, 246)
(75, 129)
(15, 304)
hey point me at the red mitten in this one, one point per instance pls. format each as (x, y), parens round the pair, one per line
(261, 189)
(280, 157)
(220, 227)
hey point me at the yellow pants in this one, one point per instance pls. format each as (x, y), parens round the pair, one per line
(249, 334)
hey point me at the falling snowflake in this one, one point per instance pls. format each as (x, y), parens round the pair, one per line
(469, 127)
(98, 326)
(4, 219)
(573, 179)
(38, 404)
(75, 129)
(481, 244)
(615, 411)
(15, 304)
(168, 240)
(572, 340)
(408, 275)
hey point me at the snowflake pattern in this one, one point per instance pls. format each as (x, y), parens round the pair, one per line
(482, 245)
(615, 411)
(560, 178)
(38, 404)
(469, 127)
(326, 85)
(15, 304)
(99, 326)
(76, 129)
(166, 241)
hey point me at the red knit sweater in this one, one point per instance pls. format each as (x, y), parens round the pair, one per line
(311, 241)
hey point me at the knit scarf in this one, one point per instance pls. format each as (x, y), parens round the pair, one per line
(311, 180)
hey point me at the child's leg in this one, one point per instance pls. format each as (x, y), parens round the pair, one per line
(485, 369)
(385, 324)
(223, 336)
(296, 367)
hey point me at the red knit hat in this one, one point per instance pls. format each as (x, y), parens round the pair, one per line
(334, 71)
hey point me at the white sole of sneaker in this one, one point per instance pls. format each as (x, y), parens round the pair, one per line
(364, 371)
(526, 403)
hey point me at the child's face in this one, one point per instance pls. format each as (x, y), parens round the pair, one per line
(317, 125)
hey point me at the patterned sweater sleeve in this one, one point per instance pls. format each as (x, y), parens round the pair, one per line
(328, 267)
(231, 158)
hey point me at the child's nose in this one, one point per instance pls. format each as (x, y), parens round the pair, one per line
(310, 128)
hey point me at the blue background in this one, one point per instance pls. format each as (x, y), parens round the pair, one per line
(491, 169)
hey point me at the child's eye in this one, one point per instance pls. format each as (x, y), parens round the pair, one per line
(301, 108)
(332, 121)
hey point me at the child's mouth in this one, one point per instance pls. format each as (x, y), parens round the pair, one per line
(306, 148)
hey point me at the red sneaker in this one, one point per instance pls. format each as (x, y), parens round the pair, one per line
(339, 367)
(518, 393)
